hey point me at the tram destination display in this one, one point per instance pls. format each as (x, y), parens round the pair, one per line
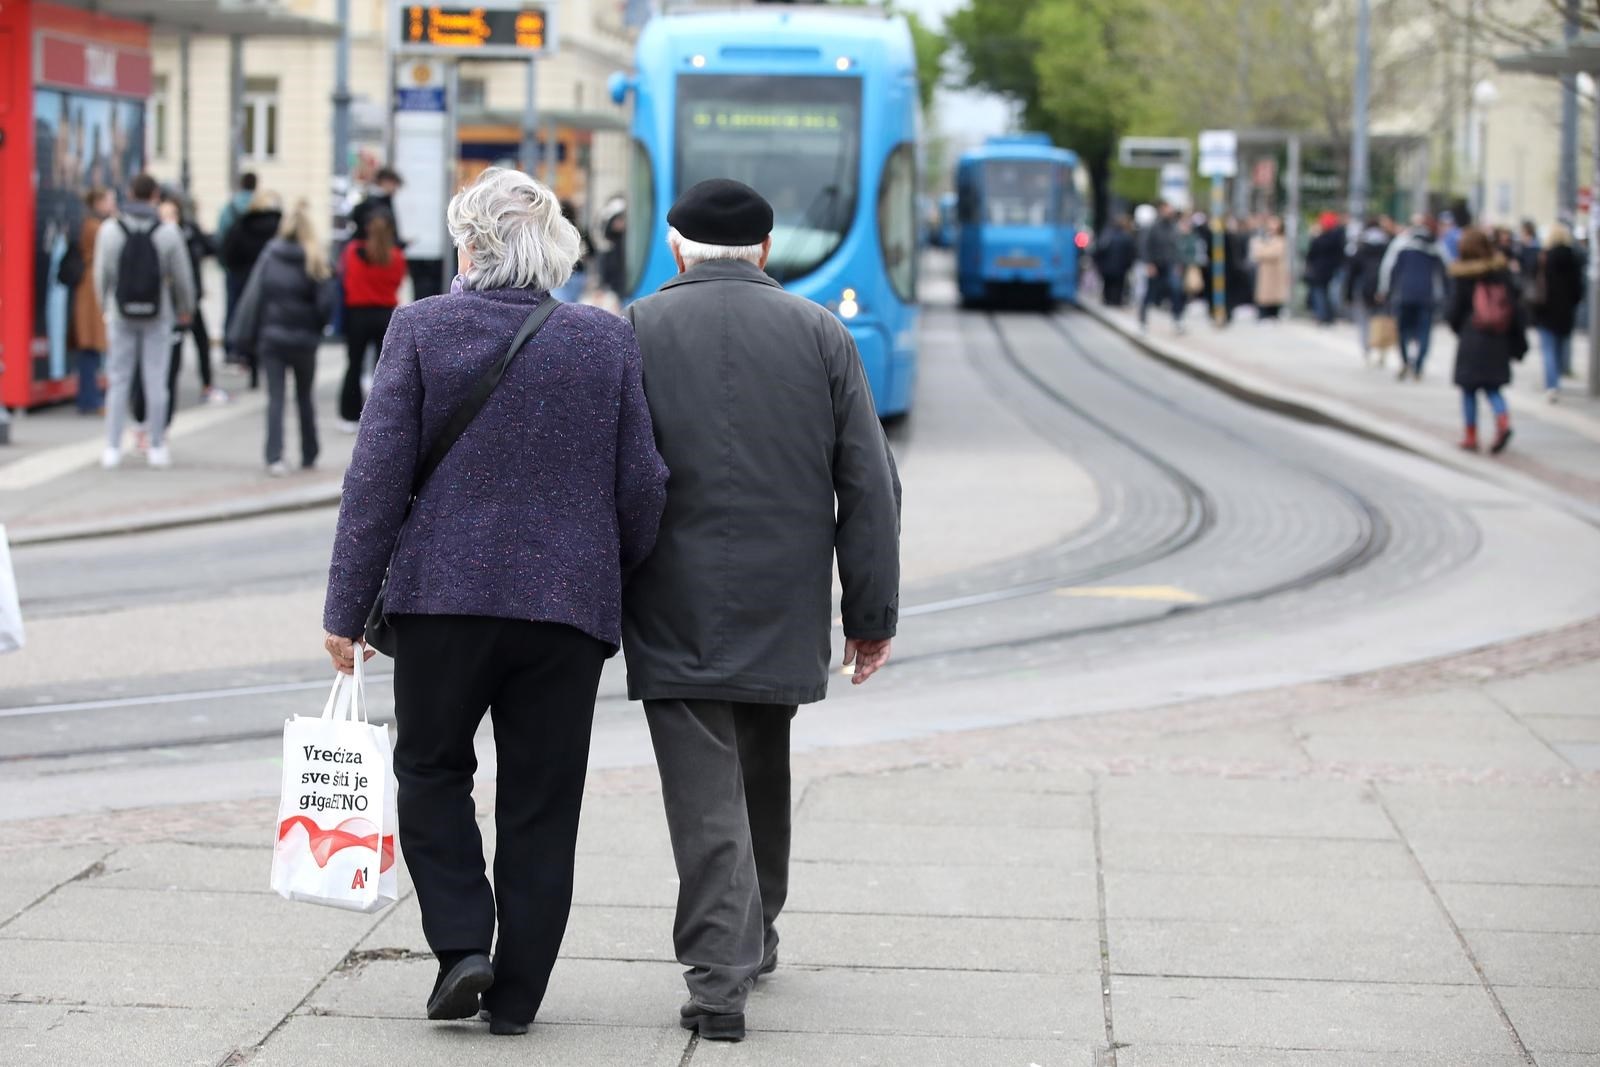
(479, 30)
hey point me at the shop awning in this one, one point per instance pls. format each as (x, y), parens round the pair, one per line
(222, 17)
(1581, 55)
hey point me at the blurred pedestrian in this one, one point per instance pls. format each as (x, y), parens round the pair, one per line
(88, 326)
(1527, 253)
(1411, 281)
(505, 577)
(236, 207)
(766, 419)
(578, 284)
(1376, 330)
(200, 248)
(1487, 316)
(247, 238)
(1269, 251)
(285, 307)
(371, 271)
(1325, 258)
(146, 286)
(1449, 232)
(1161, 255)
(1557, 292)
(1113, 258)
(613, 257)
(379, 203)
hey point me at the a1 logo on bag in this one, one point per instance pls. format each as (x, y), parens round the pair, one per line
(336, 815)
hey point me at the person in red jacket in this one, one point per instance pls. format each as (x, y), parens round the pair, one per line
(373, 269)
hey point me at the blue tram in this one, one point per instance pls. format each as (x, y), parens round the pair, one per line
(1023, 217)
(947, 221)
(818, 111)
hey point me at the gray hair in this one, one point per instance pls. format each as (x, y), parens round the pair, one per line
(694, 252)
(514, 233)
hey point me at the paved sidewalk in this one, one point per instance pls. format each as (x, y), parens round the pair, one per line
(52, 486)
(1319, 373)
(1394, 870)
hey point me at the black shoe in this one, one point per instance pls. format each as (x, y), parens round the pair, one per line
(502, 1026)
(768, 965)
(711, 1025)
(456, 994)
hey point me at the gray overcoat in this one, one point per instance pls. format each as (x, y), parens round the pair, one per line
(763, 414)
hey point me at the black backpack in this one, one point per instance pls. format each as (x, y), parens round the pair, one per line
(72, 268)
(138, 274)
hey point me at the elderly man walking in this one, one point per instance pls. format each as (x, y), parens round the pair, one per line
(762, 412)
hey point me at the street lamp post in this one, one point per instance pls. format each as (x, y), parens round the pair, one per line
(1484, 94)
(1358, 119)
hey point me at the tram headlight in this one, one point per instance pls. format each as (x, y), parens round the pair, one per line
(697, 61)
(848, 307)
(842, 63)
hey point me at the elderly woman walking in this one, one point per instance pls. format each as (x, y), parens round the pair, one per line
(504, 576)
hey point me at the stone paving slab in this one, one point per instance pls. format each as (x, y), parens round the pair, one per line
(1525, 753)
(1554, 1020)
(964, 779)
(1313, 949)
(56, 1035)
(868, 800)
(1256, 857)
(324, 1040)
(862, 888)
(30, 873)
(990, 846)
(173, 865)
(930, 1003)
(268, 981)
(1308, 1015)
(1547, 692)
(770, 1049)
(1240, 807)
(1524, 908)
(1386, 904)
(1571, 960)
(80, 913)
(1567, 726)
(1215, 1056)
(642, 881)
(1038, 946)
(1539, 855)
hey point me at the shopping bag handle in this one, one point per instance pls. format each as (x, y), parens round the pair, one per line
(353, 688)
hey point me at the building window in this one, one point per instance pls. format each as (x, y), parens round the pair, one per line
(471, 93)
(160, 109)
(261, 118)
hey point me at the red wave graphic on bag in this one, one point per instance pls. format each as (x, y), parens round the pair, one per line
(352, 833)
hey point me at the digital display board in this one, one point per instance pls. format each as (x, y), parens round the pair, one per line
(503, 31)
(764, 117)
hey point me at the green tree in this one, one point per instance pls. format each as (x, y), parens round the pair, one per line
(928, 44)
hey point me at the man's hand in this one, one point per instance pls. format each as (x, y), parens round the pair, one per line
(1151, 270)
(867, 656)
(343, 652)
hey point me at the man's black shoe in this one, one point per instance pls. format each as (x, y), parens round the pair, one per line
(711, 1025)
(456, 995)
(768, 965)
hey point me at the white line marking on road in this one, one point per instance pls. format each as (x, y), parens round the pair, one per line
(1169, 594)
(175, 698)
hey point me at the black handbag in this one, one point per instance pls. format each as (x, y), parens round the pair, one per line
(379, 632)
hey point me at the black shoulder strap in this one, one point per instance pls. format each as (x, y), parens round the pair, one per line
(463, 415)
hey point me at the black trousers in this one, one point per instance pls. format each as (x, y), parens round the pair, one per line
(538, 682)
(725, 782)
(363, 329)
(278, 366)
(202, 348)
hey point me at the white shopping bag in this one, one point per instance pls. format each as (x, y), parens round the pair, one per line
(336, 817)
(10, 607)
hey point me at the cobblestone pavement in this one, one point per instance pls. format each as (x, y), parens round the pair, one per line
(1397, 868)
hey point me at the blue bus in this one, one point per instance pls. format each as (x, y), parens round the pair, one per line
(818, 111)
(947, 221)
(1023, 220)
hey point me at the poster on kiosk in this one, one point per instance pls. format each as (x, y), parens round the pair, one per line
(91, 80)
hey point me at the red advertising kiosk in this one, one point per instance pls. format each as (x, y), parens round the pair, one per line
(73, 86)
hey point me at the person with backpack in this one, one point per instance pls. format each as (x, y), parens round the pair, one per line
(87, 331)
(172, 210)
(285, 306)
(1557, 292)
(372, 268)
(145, 283)
(1491, 330)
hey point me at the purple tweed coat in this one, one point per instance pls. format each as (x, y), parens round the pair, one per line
(550, 497)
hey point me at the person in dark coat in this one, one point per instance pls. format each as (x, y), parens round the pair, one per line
(1324, 261)
(285, 307)
(1411, 281)
(1557, 292)
(1364, 264)
(1158, 250)
(779, 466)
(1113, 259)
(1491, 330)
(246, 239)
(504, 580)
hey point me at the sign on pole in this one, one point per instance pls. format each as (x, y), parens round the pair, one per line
(1174, 186)
(1219, 154)
(421, 122)
(503, 29)
(1153, 152)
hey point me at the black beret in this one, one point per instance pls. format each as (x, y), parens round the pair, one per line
(721, 211)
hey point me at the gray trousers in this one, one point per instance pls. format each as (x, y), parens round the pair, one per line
(276, 366)
(147, 345)
(725, 781)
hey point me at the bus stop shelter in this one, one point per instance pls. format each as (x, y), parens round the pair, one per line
(75, 79)
(1577, 55)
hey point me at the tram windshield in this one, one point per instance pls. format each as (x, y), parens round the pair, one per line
(1018, 192)
(796, 141)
